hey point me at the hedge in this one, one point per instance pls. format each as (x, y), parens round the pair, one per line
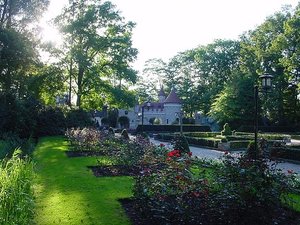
(172, 128)
(278, 129)
(286, 153)
(202, 134)
(239, 144)
(205, 142)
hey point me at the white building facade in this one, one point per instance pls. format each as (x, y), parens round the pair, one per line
(166, 110)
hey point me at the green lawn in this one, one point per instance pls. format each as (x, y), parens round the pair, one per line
(68, 193)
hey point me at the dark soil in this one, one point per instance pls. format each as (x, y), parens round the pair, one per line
(83, 153)
(125, 170)
(115, 170)
(280, 216)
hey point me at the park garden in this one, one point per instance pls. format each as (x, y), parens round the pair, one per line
(88, 176)
(59, 167)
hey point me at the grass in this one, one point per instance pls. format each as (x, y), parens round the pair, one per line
(16, 196)
(68, 193)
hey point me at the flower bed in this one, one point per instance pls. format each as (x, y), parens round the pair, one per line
(238, 191)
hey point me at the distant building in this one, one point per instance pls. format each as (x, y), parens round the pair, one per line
(165, 111)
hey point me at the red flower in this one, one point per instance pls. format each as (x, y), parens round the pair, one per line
(196, 194)
(190, 154)
(290, 171)
(168, 159)
(174, 153)
(162, 145)
(226, 152)
(178, 177)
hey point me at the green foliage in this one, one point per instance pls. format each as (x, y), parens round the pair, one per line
(226, 130)
(251, 153)
(16, 191)
(78, 118)
(171, 195)
(252, 188)
(239, 190)
(113, 115)
(124, 121)
(51, 121)
(180, 143)
(239, 145)
(156, 121)
(202, 142)
(11, 141)
(188, 120)
(99, 48)
(124, 134)
(235, 103)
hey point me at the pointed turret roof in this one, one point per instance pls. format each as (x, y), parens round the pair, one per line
(161, 92)
(173, 97)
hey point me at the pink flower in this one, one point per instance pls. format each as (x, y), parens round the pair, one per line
(162, 145)
(290, 171)
(169, 158)
(226, 152)
(190, 154)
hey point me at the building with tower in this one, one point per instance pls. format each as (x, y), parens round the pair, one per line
(165, 111)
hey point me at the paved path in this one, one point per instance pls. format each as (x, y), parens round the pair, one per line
(215, 154)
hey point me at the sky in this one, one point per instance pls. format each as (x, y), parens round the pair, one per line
(167, 27)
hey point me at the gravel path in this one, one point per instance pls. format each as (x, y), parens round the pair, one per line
(215, 154)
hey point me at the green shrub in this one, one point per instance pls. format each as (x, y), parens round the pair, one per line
(285, 153)
(180, 143)
(226, 130)
(124, 134)
(238, 190)
(51, 121)
(78, 118)
(11, 142)
(203, 142)
(124, 121)
(239, 144)
(251, 190)
(156, 121)
(202, 134)
(16, 194)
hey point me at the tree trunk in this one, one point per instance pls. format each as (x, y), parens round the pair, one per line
(79, 84)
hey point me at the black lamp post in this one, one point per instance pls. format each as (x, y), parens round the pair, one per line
(180, 115)
(148, 104)
(266, 85)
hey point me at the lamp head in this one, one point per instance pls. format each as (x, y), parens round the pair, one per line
(266, 81)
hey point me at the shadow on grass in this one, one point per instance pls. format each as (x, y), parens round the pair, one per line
(68, 193)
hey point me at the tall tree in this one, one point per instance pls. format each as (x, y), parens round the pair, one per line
(18, 43)
(262, 46)
(98, 41)
(19, 13)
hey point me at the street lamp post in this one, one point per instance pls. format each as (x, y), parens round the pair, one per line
(180, 115)
(266, 85)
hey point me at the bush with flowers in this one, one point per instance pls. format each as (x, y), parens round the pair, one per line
(86, 139)
(235, 190)
(174, 193)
